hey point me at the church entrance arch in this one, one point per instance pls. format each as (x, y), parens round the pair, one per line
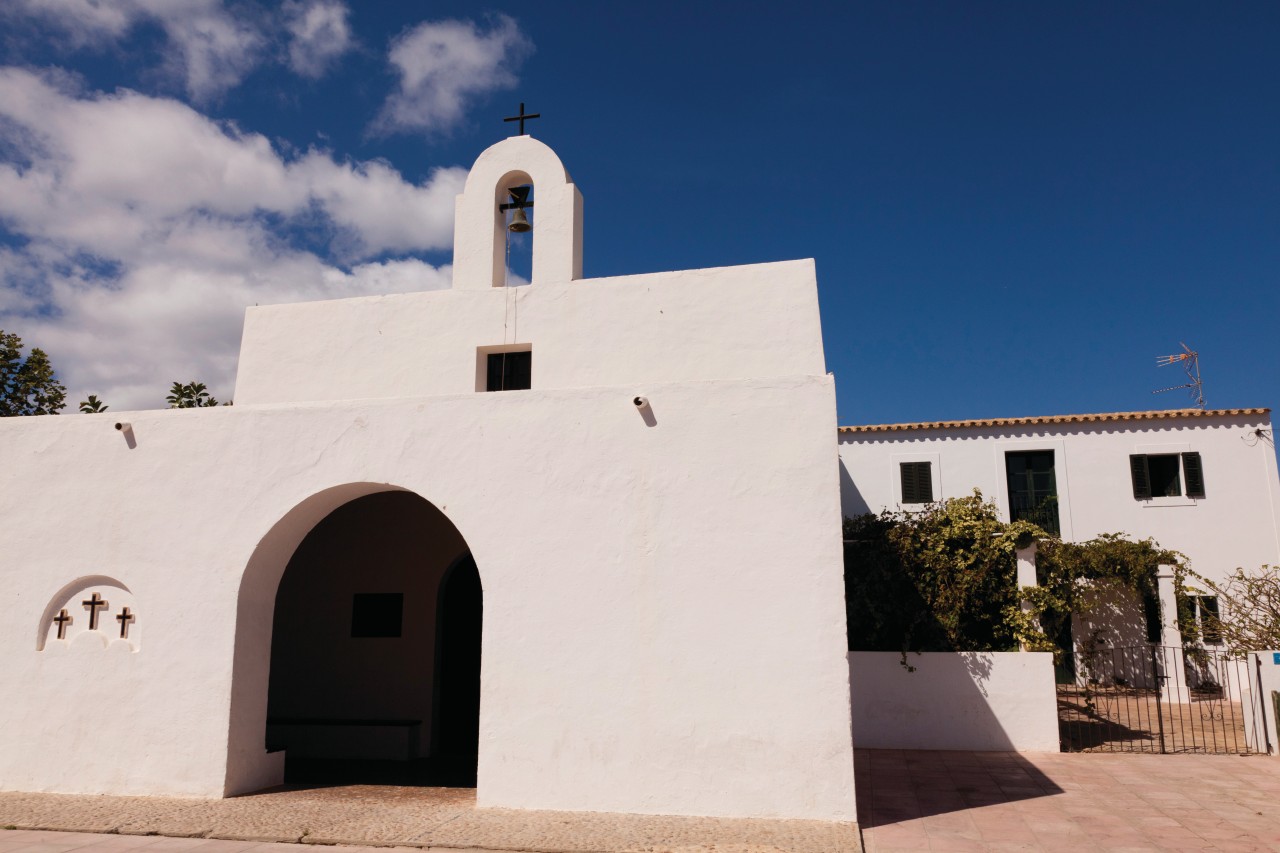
(372, 664)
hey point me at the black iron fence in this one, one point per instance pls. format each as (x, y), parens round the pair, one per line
(1160, 699)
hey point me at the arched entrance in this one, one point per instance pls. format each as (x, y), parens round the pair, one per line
(375, 650)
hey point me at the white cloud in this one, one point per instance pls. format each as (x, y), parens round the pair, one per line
(444, 64)
(318, 35)
(148, 228)
(207, 46)
(84, 22)
(213, 48)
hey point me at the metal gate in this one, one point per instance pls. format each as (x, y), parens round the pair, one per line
(1161, 699)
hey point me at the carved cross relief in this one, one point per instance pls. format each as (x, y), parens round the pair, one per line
(104, 601)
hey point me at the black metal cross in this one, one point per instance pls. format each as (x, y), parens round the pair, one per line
(62, 619)
(124, 618)
(522, 117)
(93, 605)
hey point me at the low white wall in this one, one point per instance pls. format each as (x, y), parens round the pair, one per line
(990, 701)
(1262, 729)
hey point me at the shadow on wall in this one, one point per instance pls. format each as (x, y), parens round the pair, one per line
(997, 701)
(900, 785)
(851, 500)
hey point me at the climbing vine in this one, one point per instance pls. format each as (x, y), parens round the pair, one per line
(943, 578)
(938, 579)
(1076, 577)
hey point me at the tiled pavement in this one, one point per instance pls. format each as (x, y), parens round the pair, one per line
(934, 801)
(963, 801)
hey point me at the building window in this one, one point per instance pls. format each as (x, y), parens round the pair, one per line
(377, 614)
(1205, 623)
(1161, 475)
(917, 482)
(509, 371)
(1033, 488)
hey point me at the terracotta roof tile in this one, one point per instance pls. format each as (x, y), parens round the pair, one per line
(1101, 417)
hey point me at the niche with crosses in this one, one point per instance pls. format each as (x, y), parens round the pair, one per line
(94, 611)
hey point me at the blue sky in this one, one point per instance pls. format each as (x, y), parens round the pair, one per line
(1014, 207)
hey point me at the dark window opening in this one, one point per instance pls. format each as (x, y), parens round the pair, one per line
(1160, 475)
(509, 371)
(377, 614)
(1207, 617)
(1033, 489)
(1166, 476)
(917, 482)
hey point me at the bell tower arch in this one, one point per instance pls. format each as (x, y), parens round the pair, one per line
(479, 240)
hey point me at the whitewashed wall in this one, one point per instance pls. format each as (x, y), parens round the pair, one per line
(1235, 524)
(987, 701)
(663, 610)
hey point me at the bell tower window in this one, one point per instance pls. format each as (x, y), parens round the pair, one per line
(504, 368)
(517, 225)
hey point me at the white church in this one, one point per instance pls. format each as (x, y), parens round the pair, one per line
(491, 524)
(579, 541)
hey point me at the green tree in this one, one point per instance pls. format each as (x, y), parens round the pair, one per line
(193, 395)
(28, 386)
(93, 405)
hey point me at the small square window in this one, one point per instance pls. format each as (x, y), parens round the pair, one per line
(917, 482)
(377, 614)
(1160, 475)
(509, 371)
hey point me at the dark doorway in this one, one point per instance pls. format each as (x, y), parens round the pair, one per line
(455, 734)
(375, 654)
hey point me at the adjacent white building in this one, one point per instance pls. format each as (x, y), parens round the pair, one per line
(494, 519)
(1202, 482)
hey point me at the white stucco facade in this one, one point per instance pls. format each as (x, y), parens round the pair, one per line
(1234, 524)
(663, 613)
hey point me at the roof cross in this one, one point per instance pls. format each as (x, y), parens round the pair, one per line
(522, 117)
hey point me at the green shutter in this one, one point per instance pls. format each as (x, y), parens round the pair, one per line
(1195, 474)
(917, 482)
(1141, 477)
(924, 481)
(908, 483)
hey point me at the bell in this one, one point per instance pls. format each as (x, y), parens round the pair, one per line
(519, 223)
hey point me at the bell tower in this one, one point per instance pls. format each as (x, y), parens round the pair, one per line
(480, 225)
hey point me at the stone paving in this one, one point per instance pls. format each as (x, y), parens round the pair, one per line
(967, 801)
(934, 801)
(384, 815)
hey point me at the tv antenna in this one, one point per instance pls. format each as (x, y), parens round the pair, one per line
(1190, 361)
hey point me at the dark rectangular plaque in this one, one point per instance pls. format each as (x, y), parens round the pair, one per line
(377, 614)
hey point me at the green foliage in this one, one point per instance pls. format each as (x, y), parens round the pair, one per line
(1249, 607)
(193, 395)
(93, 405)
(939, 579)
(944, 579)
(28, 386)
(1070, 575)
